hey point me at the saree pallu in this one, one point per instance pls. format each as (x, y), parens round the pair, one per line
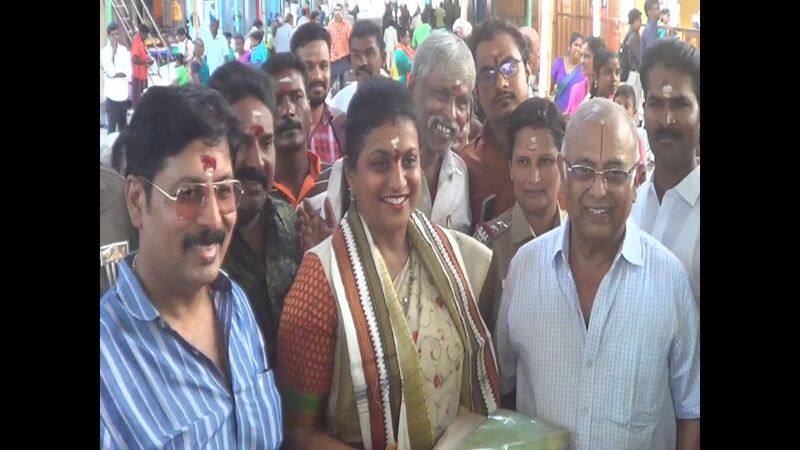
(564, 82)
(346, 350)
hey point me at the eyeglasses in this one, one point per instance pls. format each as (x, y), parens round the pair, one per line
(585, 174)
(191, 198)
(509, 69)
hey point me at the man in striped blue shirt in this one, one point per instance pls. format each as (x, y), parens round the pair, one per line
(182, 362)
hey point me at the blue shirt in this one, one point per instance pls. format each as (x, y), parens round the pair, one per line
(649, 37)
(158, 391)
(258, 54)
(623, 381)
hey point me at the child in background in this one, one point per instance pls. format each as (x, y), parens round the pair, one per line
(258, 50)
(231, 56)
(626, 97)
(238, 47)
(183, 74)
(200, 72)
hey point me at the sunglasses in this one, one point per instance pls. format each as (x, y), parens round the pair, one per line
(509, 69)
(191, 198)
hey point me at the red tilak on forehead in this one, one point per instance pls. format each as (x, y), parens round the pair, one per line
(209, 163)
(257, 130)
(602, 127)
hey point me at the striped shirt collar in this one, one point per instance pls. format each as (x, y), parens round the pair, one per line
(631, 248)
(131, 292)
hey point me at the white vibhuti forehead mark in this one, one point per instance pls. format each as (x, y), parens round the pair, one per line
(285, 80)
(255, 116)
(532, 145)
(395, 142)
(666, 90)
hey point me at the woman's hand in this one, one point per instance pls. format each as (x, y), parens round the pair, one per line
(312, 229)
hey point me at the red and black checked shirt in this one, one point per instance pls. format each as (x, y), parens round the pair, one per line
(323, 141)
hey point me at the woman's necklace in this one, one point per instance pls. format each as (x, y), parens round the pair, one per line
(404, 300)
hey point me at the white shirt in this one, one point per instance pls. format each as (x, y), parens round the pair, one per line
(283, 38)
(390, 39)
(621, 383)
(675, 222)
(187, 48)
(115, 89)
(301, 21)
(450, 208)
(342, 98)
(216, 50)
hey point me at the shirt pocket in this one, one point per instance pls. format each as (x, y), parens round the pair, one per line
(633, 385)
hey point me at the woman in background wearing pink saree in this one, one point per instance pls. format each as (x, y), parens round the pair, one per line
(580, 92)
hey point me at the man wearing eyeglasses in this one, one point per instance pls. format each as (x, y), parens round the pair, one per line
(182, 362)
(503, 73)
(608, 343)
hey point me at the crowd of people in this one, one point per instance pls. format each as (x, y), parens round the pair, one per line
(287, 268)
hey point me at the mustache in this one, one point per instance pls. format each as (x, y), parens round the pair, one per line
(445, 122)
(363, 69)
(316, 83)
(668, 133)
(503, 94)
(252, 174)
(205, 237)
(287, 124)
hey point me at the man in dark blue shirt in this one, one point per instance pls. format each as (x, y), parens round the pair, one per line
(650, 33)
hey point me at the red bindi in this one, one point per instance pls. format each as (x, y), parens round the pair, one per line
(209, 163)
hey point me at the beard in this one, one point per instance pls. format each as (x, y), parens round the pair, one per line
(315, 102)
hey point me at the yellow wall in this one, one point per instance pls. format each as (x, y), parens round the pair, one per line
(688, 7)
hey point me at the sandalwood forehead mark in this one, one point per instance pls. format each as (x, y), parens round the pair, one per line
(209, 164)
(666, 91)
(532, 145)
(396, 156)
(255, 116)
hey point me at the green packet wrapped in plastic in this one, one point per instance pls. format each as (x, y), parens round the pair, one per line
(507, 430)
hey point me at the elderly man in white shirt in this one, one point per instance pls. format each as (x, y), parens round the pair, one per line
(441, 86)
(283, 35)
(115, 60)
(668, 204)
(597, 329)
(216, 50)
